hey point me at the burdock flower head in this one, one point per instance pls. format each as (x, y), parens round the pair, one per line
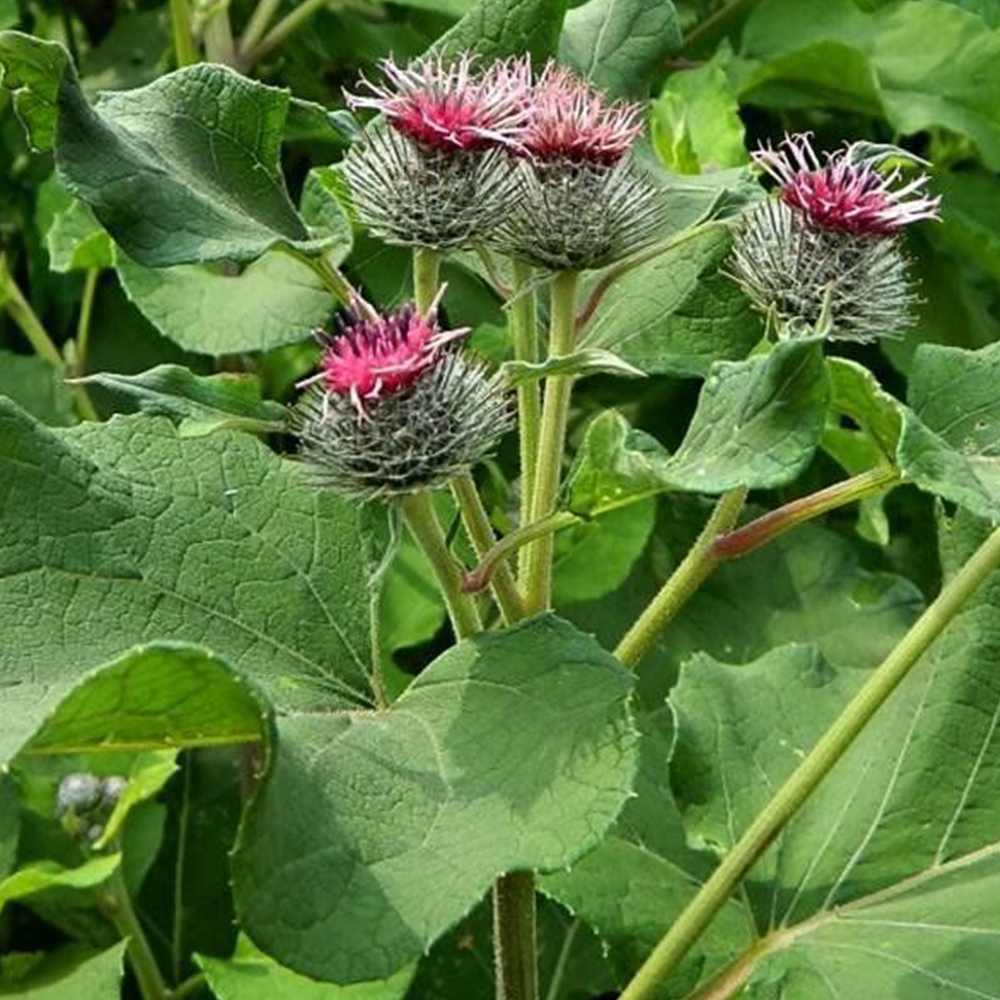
(395, 407)
(586, 203)
(827, 251)
(434, 172)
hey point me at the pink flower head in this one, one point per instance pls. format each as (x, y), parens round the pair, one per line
(377, 355)
(843, 193)
(571, 120)
(450, 106)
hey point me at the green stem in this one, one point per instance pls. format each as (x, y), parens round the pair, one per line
(683, 582)
(83, 323)
(185, 50)
(147, 973)
(776, 522)
(217, 36)
(426, 278)
(191, 986)
(668, 954)
(286, 27)
(493, 559)
(514, 937)
(260, 20)
(524, 334)
(422, 520)
(552, 441)
(480, 531)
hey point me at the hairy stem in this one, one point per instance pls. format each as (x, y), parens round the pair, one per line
(422, 520)
(492, 561)
(185, 50)
(552, 441)
(147, 973)
(776, 522)
(790, 797)
(524, 335)
(426, 278)
(683, 582)
(480, 532)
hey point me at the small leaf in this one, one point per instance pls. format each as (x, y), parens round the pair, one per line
(32, 69)
(590, 361)
(147, 776)
(200, 404)
(757, 425)
(43, 875)
(77, 241)
(856, 393)
(445, 761)
(619, 44)
(72, 972)
(252, 975)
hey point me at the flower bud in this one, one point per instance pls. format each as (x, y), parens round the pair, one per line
(78, 793)
(395, 409)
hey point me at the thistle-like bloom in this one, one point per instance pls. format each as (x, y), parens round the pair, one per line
(435, 172)
(585, 202)
(395, 408)
(847, 192)
(450, 106)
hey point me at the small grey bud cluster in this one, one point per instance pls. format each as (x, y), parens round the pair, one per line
(84, 802)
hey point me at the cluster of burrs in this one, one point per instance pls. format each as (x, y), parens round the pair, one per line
(541, 168)
(825, 255)
(84, 802)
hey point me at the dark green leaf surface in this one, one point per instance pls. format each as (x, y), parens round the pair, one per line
(619, 44)
(494, 29)
(330, 888)
(200, 404)
(124, 533)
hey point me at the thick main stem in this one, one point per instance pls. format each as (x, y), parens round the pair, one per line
(514, 932)
(422, 520)
(790, 797)
(480, 531)
(552, 440)
(185, 50)
(683, 582)
(524, 335)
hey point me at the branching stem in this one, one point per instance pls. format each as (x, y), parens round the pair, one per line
(147, 973)
(668, 954)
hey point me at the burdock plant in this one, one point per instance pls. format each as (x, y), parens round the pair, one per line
(826, 250)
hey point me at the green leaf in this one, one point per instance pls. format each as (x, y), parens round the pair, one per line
(146, 778)
(619, 44)
(72, 973)
(9, 13)
(677, 314)
(971, 216)
(36, 386)
(948, 445)
(856, 393)
(698, 110)
(495, 29)
(32, 70)
(200, 404)
(10, 823)
(252, 975)
(590, 361)
(453, 772)
(887, 880)
(924, 63)
(77, 241)
(612, 542)
(124, 533)
(757, 425)
(184, 170)
(276, 300)
(44, 875)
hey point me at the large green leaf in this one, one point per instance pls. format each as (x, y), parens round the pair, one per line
(37, 386)
(887, 881)
(72, 973)
(124, 533)
(757, 424)
(619, 44)
(252, 975)
(184, 170)
(494, 29)
(328, 886)
(199, 403)
(677, 314)
(923, 63)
